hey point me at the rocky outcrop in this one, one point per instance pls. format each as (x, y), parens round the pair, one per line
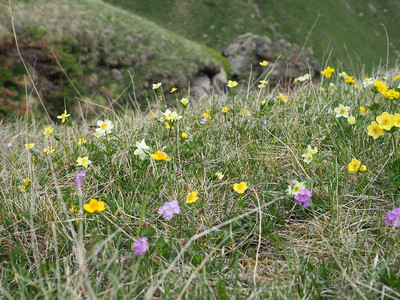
(208, 81)
(286, 61)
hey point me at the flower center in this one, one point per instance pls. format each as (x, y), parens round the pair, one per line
(342, 111)
(296, 188)
(94, 205)
(104, 126)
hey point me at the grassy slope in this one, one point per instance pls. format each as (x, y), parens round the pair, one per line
(339, 247)
(100, 36)
(342, 28)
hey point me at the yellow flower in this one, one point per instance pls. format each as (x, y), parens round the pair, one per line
(174, 89)
(153, 116)
(392, 94)
(263, 81)
(184, 135)
(94, 205)
(240, 187)
(27, 181)
(219, 175)
(363, 168)
(374, 130)
(184, 101)
(356, 86)
(47, 131)
(48, 150)
(159, 155)
(328, 72)
(192, 197)
(74, 209)
(83, 161)
(363, 111)
(245, 112)
(381, 86)
(261, 86)
(232, 84)
(397, 77)
(81, 141)
(282, 97)
(396, 120)
(29, 146)
(321, 89)
(63, 116)
(264, 63)
(207, 114)
(224, 110)
(351, 120)
(385, 121)
(349, 79)
(353, 166)
(168, 126)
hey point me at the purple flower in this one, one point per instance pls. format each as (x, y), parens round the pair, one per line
(79, 178)
(169, 209)
(393, 218)
(265, 122)
(203, 121)
(303, 197)
(140, 246)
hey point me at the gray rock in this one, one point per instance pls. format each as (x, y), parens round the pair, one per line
(202, 80)
(286, 61)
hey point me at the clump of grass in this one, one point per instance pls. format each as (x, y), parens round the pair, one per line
(229, 241)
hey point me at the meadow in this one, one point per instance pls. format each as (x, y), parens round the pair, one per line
(258, 193)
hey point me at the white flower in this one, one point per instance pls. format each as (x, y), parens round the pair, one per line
(99, 133)
(332, 87)
(9, 146)
(307, 157)
(343, 75)
(219, 175)
(105, 126)
(156, 85)
(342, 111)
(303, 78)
(141, 150)
(297, 186)
(171, 116)
(368, 82)
(310, 150)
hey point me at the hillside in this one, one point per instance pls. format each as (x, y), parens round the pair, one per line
(351, 29)
(96, 44)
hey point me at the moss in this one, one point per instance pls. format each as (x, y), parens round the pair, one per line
(6, 75)
(224, 62)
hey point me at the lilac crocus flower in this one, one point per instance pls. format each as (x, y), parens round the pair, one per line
(203, 121)
(393, 218)
(265, 122)
(169, 209)
(140, 246)
(79, 178)
(303, 197)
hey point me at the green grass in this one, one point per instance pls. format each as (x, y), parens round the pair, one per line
(350, 29)
(258, 245)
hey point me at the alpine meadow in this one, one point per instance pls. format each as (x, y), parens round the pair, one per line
(241, 149)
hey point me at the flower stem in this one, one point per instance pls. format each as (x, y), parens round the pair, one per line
(394, 145)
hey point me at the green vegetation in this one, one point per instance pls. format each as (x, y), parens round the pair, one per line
(259, 244)
(351, 29)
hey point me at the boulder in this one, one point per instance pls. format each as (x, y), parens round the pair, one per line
(286, 61)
